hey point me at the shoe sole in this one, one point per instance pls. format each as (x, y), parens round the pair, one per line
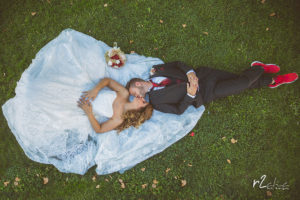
(265, 64)
(285, 83)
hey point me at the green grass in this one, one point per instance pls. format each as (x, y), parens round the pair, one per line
(264, 121)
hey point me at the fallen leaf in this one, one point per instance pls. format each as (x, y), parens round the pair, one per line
(33, 13)
(48, 1)
(228, 161)
(45, 180)
(4, 74)
(105, 5)
(37, 175)
(175, 177)
(183, 25)
(94, 178)
(110, 177)
(192, 134)
(17, 179)
(233, 140)
(98, 186)
(190, 165)
(131, 41)
(6, 183)
(272, 14)
(153, 185)
(205, 33)
(167, 170)
(15, 183)
(183, 160)
(106, 180)
(144, 185)
(132, 51)
(161, 21)
(183, 183)
(269, 193)
(263, 1)
(267, 28)
(224, 138)
(155, 181)
(143, 169)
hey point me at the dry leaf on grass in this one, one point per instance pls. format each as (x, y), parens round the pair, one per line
(94, 178)
(161, 21)
(131, 41)
(16, 183)
(98, 186)
(233, 140)
(205, 33)
(143, 169)
(17, 179)
(106, 180)
(263, 1)
(33, 13)
(267, 28)
(167, 170)
(6, 183)
(272, 14)
(132, 51)
(190, 165)
(155, 181)
(224, 138)
(228, 161)
(144, 185)
(153, 185)
(122, 183)
(183, 183)
(183, 25)
(45, 180)
(269, 193)
(105, 5)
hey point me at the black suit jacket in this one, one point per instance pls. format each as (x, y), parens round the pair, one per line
(173, 98)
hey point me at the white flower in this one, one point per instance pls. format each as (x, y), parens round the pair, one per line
(109, 63)
(117, 61)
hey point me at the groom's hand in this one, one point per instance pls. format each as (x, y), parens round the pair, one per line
(191, 89)
(193, 79)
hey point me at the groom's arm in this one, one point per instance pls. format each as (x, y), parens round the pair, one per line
(173, 108)
(177, 64)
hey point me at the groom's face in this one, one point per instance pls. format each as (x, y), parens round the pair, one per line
(138, 91)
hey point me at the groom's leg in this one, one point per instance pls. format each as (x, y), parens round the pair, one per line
(250, 78)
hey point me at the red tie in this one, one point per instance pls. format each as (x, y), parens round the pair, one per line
(162, 83)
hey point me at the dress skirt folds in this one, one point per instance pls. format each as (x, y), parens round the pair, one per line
(52, 129)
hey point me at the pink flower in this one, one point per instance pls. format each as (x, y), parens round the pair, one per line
(192, 134)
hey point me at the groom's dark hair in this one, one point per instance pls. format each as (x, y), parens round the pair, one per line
(132, 82)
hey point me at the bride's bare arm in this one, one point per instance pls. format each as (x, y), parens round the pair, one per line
(108, 125)
(105, 82)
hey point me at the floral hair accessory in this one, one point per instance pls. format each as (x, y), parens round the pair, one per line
(115, 57)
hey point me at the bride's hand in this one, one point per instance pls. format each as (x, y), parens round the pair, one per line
(85, 105)
(89, 95)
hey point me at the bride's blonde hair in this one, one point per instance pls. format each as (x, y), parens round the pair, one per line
(135, 117)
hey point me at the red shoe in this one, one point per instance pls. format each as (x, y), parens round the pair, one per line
(269, 68)
(284, 79)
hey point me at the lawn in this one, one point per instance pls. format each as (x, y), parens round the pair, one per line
(224, 34)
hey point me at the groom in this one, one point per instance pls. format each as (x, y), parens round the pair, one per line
(174, 86)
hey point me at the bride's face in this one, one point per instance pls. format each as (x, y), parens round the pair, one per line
(139, 102)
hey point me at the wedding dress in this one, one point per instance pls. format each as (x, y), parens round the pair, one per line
(52, 129)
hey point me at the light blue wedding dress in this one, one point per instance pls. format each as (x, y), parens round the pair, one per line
(52, 129)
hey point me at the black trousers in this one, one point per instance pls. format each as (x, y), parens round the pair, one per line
(215, 83)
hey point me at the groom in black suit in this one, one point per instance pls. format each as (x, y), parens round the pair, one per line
(173, 86)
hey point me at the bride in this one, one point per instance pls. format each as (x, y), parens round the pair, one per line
(54, 127)
(125, 113)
